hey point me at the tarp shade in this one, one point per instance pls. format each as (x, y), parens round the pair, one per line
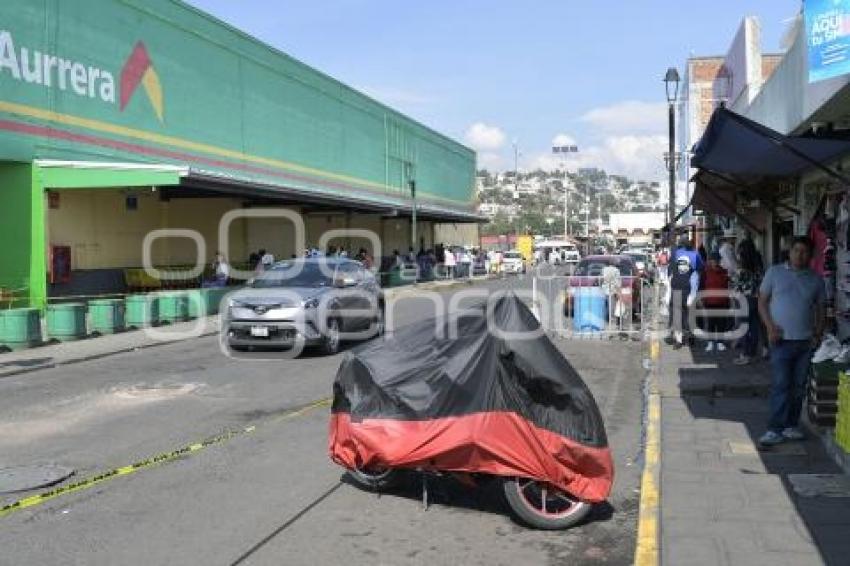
(453, 395)
(750, 153)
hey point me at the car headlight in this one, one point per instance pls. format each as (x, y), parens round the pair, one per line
(233, 303)
(311, 303)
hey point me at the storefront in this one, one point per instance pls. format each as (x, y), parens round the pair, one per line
(118, 119)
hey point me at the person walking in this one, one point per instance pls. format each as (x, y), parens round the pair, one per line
(681, 294)
(791, 303)
(746, 282)
(716, 284)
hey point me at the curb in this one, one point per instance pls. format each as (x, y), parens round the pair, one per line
(647, 550)
(71, 361)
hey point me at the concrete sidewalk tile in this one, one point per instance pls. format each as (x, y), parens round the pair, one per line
(682, 461)
(692, 550)
(677, 479)
(784, 536)
(680, 504)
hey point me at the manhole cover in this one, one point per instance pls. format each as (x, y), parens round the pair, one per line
(23, 478)
(820, 485)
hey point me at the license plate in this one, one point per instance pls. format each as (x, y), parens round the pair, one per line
(260, 331)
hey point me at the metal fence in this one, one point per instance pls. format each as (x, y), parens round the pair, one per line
(606, 306)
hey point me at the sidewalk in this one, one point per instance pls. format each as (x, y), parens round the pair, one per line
(31, 359)
(722, 500)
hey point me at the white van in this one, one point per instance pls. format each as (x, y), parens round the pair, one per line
(559, 252)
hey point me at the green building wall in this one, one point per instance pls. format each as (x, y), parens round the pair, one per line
(205, 95)
(22, 261)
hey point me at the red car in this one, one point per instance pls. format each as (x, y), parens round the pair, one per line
(588, 273)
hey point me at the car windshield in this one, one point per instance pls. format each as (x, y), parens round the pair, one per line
(638, 257)
(513, 255)
(295, 274)
(594, 267)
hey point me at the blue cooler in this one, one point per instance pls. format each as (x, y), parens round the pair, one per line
(590, 309)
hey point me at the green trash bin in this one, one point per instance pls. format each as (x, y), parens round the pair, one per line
(66, 321)
(197, 302)
(205, 302)
(216, 296)
(141, 311)
(106, 316)
(173, 306)
(20, 328)
(394, 278)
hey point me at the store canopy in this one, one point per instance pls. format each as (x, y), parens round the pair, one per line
(748, 152)
(738, 155)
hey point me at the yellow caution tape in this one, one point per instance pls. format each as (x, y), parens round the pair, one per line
(147, 462)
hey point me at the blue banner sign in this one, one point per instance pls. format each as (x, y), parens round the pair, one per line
(828, 36)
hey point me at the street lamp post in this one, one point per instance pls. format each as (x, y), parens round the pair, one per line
(671, 83)
(563, 150)
(516, 187)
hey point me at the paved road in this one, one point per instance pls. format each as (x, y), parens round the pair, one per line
(270, 496)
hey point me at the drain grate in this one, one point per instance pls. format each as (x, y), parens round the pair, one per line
(24, 478)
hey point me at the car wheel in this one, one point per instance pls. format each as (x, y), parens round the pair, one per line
(331, 341)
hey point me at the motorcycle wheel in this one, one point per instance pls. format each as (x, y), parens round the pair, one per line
(541, 506)
(376, 479)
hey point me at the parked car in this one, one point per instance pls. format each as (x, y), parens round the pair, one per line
(513, 262)
(307, 300)
(589, 271)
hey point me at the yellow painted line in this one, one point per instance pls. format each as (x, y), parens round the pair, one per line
(106, 127)
(648, 536)
(152, 461)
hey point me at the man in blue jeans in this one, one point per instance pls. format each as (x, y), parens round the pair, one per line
(791, 304)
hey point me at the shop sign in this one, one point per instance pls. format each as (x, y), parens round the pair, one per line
(828, 38)
(23, 64)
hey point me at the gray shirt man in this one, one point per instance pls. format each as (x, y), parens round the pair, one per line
(793, 296)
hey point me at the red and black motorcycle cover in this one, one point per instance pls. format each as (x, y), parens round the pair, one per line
(482, 391)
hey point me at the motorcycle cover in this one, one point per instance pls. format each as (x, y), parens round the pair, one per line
(462, 394)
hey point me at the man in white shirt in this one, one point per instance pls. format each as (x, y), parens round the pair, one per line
(450, 263)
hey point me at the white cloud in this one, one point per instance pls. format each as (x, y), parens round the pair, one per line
(563, 139)
(629, 117)
(489, 160)
(638, 157)
(483, 138)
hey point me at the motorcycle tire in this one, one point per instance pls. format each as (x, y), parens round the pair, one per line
(543, 507)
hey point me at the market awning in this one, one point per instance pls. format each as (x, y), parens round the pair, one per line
(749, 153)
(737, 155)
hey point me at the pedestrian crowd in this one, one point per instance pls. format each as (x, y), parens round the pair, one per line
(731, 291)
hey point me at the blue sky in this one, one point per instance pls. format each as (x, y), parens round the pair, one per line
(487, 73)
